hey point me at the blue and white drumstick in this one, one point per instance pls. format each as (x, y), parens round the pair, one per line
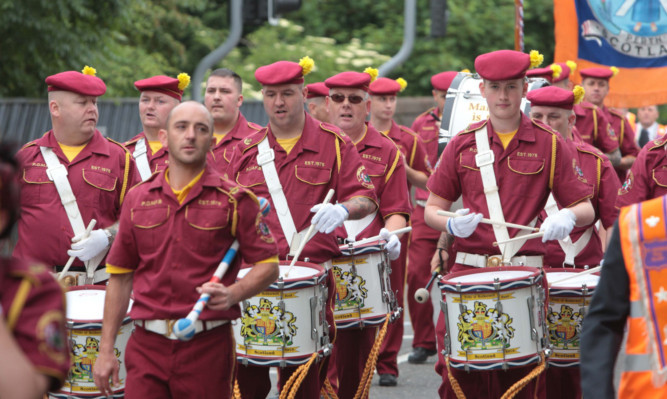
(184, 329)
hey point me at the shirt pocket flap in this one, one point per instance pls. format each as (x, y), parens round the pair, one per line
(660, 177)
(35, 175)
(467, 160)
(374, 169)
(312, 176)
(101, 180)
(206, 218)
(148, 218)
(524, 166)
(250, 178)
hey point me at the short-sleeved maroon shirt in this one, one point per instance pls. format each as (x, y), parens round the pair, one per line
(412, 147)
(647, 178)
(594, 128)
(174, 248)
(158, 161)
(592, 168)
(323, 158)
(100, 176)
(427, 129)
(221, 154)
(536, 162)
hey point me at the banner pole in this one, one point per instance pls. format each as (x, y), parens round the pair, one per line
(518, 25)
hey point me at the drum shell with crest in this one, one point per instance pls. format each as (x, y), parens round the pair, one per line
(495, 317)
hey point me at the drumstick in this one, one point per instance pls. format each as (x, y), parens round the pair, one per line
(422, 294)
(585, 272)
(184, 329)
(90, 228)
(306, 238)
(519, 238)
(489, 221)
(377, 237)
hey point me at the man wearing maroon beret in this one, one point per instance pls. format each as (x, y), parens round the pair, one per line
(383, 92)
(316, 101)
(223, 98)
(503, 168)
(159, 95)
(308, 157)
(72, 175)
(553, 106)
(596, 83)
(349, 106)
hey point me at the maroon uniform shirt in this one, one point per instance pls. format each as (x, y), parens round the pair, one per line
(647, 178)
(535, 162)
(594, 128)
(158, 161)
(100, 176)
(425, 126)
(221, 154)
(323, 158)
(626, 136)
(173, 248)
(412, 147)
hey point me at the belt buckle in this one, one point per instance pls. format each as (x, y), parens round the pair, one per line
(170, 328)
(494, 261)
(265, 157)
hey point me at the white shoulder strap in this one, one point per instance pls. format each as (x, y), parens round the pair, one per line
(140, 156)
(354, 227)
(485, 160)
(265, 159)
(570, 249)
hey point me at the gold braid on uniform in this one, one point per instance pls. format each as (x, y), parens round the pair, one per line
(367, 377)
(292, 386)
(455, 384)
(328, 391)
(519, 385)
(237, 390)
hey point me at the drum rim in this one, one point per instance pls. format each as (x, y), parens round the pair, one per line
(375, 243)
(535, 271)
(97, 288)
(568, 287)
(320, 271)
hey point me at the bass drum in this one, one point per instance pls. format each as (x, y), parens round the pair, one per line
(464, 105)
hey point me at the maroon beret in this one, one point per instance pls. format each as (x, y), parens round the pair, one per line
(443, 80)
(279, 73)
(318, 89)
(551, 96)
(502, 65)
(350, 79)
(546, 73)
(598, 73)
(565, 72)
(76, 82)
(161, 84)
(384, 86)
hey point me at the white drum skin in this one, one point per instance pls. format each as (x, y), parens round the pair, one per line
(285, 324)
(495, 317)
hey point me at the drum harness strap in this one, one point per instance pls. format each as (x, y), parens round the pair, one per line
(265, 159)
(485, 161)
(140, 156)
(57, 173)
(570, 248)
(354, 227)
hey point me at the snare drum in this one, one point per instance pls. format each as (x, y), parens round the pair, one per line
(284, 324)
(568, 302)
(85, 308)
(495, 317)
(363, 290)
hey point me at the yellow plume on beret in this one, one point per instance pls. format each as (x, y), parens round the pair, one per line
(572, 65)
(183, 80)
(465, 70)
(536, 58)
(307, 64)
(578, 94)
(402, 82)
(556, 70)
(615, 71)
(89, 71)
(373, 72)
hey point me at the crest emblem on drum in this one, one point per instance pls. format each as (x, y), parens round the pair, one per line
(484, 328)
(564, 327)
(350, 289)
(83, 360)
(267, 324)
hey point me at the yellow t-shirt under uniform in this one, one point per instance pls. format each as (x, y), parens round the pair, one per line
(218, 137)
(71, 151)
(288, 144)
(155, 146)
(506, 138)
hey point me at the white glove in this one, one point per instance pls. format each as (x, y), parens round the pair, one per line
(86, 248)
(393, 246)
(558, 226)
(463, 226)
(328, 217)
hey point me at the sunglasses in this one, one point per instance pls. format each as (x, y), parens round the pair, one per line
(353, 99)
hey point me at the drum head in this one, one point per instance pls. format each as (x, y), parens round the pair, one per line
(490, 276)
(590, 280)
(300, 271)
(86, 303)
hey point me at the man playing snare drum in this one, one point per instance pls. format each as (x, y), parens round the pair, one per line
(174, 230)
(503, 168)
(294, 162)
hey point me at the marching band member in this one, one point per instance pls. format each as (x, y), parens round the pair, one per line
(596, 83)
(349, 105)
(72, 175)
(33, 341)
(553, 107)
(503, 167)
(174, 229)
(557, 74)
(294, 161)
(383, 92)
(159, 95)
(424, 239)
(223, 98)
(316, 101)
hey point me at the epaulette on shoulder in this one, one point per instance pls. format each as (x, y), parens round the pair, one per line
(133, 140)
(29, 144)
(36, 273)
(254, 126)
(407, 130)
(616, 113)
(542, 126)
(589, 149)
(326, 127)
(474, 127)
(118, 144)
(588, 105)
(658, 143)
(253, 139)
(426, 113)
